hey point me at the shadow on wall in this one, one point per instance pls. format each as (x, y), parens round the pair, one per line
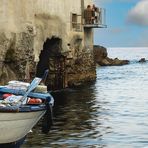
(51, 47)
(52, 59)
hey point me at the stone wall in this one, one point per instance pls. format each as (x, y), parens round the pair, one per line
(81, 68)
(16, 53)
(25, 26)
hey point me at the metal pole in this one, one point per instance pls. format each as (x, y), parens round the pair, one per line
(82, 11)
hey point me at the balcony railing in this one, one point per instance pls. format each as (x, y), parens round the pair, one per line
(99, 21)
(78, 21)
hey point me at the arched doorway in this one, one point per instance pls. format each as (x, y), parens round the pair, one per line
(52, 59)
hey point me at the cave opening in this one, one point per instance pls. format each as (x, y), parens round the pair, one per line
(51, 58)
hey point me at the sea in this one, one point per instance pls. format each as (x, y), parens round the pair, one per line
(110, 112)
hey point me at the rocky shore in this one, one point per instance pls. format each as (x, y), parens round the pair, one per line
(102, 59)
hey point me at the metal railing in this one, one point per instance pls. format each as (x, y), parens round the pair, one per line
(99, 21)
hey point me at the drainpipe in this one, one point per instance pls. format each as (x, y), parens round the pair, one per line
(82, 11)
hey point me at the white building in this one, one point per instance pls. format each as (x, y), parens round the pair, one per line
(27, 26)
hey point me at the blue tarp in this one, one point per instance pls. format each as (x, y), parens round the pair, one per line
(4, 89)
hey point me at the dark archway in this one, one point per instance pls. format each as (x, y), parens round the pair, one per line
(52, 59)
(51, 48)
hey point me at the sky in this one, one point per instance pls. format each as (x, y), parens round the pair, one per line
(127, 23)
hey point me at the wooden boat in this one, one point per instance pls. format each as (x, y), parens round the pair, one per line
(16, 120)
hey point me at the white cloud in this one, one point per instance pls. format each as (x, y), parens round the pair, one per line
(139, 14)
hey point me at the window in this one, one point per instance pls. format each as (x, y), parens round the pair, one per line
(76, 22)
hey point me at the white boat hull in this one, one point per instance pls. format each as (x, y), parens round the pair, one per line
(14, 126)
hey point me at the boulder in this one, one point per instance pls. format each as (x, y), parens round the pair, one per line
(100, 53)
(117, 62)
(101, 58)
(142, 60)
(104, 62)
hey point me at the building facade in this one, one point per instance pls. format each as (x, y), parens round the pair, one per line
(46, 34)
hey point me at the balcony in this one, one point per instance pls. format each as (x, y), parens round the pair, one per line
(95, 22)
(85, 20)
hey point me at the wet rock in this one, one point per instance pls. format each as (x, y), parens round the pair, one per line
(117, 62)
(142, 60)
(104, 62)
(100, 53)
(101, 58)
(81, 69)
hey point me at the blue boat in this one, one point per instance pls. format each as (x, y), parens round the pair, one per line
(18, 118)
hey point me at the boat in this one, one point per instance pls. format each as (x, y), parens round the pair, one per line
(18, 116)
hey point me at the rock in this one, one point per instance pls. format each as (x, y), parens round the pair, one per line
(104, 62)
(101, 58)
(142, 60)
(100, 53)
(117, 62)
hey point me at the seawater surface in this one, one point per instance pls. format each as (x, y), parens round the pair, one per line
(111, 112)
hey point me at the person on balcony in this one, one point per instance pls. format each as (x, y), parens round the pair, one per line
(88, 15)
(95, 14)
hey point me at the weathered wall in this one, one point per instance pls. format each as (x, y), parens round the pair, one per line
(24, 27)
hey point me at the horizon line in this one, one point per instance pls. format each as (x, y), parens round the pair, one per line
(127, 47)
